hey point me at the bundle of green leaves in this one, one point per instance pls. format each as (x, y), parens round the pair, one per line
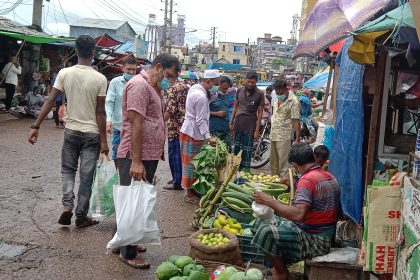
(206, 163)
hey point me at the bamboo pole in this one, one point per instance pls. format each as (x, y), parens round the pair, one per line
(327, 90)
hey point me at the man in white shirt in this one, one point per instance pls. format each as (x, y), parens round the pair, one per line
(11, 72)
(84, 91)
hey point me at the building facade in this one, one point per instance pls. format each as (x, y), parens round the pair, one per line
(117, 29)
(235, 53)
(269, 49)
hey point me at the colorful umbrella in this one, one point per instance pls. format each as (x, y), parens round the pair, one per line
(188, 75)
(332, 20)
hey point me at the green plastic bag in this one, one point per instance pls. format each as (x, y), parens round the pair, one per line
(102, 200)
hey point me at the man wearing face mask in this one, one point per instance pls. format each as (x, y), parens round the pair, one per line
(306, 228)
(113, 105)
(143, 132)
(195, 129)
(284, 121)
(219, 108)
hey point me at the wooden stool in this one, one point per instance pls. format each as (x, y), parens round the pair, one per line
(334, 271)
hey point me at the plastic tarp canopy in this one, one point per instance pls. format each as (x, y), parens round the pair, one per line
(319, 81)
(346, 154)
(35, 39)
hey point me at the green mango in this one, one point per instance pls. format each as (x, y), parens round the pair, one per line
(188, 268)
(198, 275)
(254, 274)
(183, 261)
(179, 278)
(200, 268)
(226, 273)
(173, 259)
(238, 276)
(166, 271)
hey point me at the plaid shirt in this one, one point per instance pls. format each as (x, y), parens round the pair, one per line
(175, 104)
(281, 120)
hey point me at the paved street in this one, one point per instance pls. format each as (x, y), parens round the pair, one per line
(30, 205)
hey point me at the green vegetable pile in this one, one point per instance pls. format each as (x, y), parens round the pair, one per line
(181, 268)
(206, 164)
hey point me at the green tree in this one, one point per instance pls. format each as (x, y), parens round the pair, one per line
(277, 63)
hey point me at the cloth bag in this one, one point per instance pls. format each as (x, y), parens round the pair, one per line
(102, 201)
(136, 222)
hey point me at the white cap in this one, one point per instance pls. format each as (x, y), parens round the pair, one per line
(211, 74)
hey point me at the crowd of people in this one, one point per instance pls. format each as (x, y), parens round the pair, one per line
(132, 110)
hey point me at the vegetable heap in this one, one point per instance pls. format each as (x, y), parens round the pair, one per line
(213, 239)
(228, 224)
(206, 164)
(181, 268)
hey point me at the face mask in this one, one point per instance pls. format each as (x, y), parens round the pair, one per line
(281, 97)
(128, 76)
(214, 89)
(164, 84)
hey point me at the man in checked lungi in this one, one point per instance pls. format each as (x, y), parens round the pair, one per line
(306, 228)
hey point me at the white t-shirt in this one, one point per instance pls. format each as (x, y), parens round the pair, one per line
(81, 85)
(11, 72)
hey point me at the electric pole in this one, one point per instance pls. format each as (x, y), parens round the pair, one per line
(171, 7)
(165, 27)
(214, 43)
(37, 15)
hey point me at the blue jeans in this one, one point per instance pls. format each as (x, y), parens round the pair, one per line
(174, 154)
(85, 146)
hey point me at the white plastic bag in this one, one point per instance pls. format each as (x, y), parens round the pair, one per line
(263, 212)
(136, 222)
(346, 255)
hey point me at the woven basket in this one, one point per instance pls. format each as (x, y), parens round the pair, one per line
(212, 266)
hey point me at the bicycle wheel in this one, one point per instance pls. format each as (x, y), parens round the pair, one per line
(260, 157)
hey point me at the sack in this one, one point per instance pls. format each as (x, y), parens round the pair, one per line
(101, 200)
(136, 222)
(228, 253)
(61, 113)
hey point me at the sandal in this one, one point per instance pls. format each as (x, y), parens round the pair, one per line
(191, 200)
(172, 188)
(140, 249)
(86, 222)
(137, 262)
(65, 218)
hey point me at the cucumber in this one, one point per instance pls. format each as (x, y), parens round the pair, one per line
(234, 194)
(237, 188)
(278, 186)
(236, 202)
(235, 207)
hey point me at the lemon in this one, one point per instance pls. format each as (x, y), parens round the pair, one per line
(217, 224)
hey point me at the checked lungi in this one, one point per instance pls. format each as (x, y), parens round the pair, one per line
(189, 149)
(116, 138)
(175, 163)
(285, 240)
(244, 142)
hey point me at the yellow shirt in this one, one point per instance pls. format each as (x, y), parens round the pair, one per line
(282, 119)
(81, 85)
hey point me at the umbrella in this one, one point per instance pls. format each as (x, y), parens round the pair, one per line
(188, 75)
(318, 82)
(333, 20)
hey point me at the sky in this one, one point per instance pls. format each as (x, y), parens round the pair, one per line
(235, 20)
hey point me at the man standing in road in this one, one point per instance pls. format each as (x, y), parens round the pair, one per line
(84, 91)
(143, 132)
(113, 105)
(284, 121)
(246, 118)
(174, 117)
(11, 71)
(195, 129)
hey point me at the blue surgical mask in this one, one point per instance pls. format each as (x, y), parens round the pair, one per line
(281, 97)
(128, 76)
(165, 84)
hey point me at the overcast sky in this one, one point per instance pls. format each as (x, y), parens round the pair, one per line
(236, 20)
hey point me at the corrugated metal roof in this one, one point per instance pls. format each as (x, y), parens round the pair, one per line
(126, 47)
(13, 26)
(99, 23)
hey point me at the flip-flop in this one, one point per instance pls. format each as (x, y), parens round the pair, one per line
(191, 200)
(86, 222)
(65, 218)
(143, 265)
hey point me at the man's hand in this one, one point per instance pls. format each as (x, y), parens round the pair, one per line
(213, 141)
(256, 135)
(265, 199)
(137, 171)
(109, 127)
(221, 114)
(33, 136)
(104, 148)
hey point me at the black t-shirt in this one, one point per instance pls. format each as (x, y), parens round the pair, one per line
(247, 112)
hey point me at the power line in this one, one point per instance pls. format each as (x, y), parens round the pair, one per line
(61, 7)
(11, 8)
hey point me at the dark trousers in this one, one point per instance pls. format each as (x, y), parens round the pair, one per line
(55, 113)
(85, 146)
(175, 163)
(124, 164)
(10, 91)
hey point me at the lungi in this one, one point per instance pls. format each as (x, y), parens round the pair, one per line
(244, 142)
(189, 149)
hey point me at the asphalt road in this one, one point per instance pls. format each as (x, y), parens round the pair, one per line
(30, 205)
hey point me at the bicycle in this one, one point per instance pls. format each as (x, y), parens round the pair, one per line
(261, 152)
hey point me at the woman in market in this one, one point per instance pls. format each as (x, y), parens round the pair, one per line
(195, 129)
(219, 107)
(306, 228)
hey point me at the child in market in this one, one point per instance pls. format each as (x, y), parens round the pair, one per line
(322, 153)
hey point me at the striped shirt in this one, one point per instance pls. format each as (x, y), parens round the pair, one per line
(318, 189)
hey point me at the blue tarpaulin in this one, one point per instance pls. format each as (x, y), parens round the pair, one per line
(318, 82)
(346, 154)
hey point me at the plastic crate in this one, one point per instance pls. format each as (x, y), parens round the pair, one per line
(242, 218)
(250, 252)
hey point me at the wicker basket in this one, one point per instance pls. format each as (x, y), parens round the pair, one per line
(212, 266)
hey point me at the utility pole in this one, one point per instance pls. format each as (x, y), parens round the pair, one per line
(37, 15)
(248, 53)
(171, 7)
(165, 27)
(214, 43)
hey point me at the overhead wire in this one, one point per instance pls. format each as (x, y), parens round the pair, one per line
(11, 8)
(117, 12)
(61, 7)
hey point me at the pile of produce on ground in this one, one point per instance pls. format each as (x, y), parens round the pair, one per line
(228, 224)
(185, 268)
(261, 178)
(206, 163)
(213, 239)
